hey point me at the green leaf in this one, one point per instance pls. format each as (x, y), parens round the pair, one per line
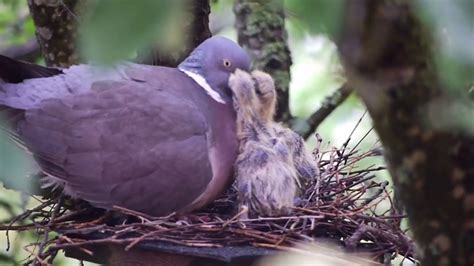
(16, 167)
(451, 23)
(316, 16)
(114, 29)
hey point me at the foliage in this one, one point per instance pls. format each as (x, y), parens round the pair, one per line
(16, 27)
(316, 16)
(15, 166)
(126, 26)
(452, 23)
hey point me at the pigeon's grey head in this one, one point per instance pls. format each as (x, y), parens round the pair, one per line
(211, 64)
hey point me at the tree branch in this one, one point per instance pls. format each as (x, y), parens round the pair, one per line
(56, 30)
(388, 60)
(329, 104)
(261, 31)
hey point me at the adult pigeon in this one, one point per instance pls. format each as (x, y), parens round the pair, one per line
(147, 138)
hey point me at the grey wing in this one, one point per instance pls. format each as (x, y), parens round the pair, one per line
(126, 144)
(72, 81)
(305, 165)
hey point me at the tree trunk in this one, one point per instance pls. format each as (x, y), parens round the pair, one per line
(196, 30)
(387, 55)
(261, 31)
(56, 30)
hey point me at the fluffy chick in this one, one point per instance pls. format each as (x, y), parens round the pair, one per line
(271, 157)
(305, 165)
(266, 181)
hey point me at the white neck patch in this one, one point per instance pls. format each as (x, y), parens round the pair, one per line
(201, 81)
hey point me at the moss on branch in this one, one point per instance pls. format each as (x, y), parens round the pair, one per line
(261, 31)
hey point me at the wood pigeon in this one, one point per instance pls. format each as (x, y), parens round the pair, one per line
(148, 138)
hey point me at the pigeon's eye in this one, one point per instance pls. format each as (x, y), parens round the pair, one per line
(227, 63)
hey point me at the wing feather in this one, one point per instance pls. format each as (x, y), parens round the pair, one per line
(129, 143)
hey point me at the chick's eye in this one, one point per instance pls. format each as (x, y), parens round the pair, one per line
(227, 63)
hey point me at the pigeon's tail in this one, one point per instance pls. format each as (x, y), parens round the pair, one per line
(13, 71)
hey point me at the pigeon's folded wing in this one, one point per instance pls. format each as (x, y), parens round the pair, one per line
(121, 143)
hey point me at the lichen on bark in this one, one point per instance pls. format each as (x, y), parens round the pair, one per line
(56, 30)
(389, 61)
(261, 31)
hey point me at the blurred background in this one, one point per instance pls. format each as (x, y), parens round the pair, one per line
(316, 71)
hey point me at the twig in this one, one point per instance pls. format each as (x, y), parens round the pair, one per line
(21, 217)
(329, 104)
(47, 229)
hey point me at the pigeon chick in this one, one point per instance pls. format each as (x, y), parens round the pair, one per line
(271, 157)
(306, 167)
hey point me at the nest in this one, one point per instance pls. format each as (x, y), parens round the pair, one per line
(342, 206)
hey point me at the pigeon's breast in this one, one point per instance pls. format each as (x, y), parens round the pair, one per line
(222, 145)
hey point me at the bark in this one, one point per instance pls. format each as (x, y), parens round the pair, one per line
(196, 29)
(56, 30)
(261, 31)
(388, 59)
